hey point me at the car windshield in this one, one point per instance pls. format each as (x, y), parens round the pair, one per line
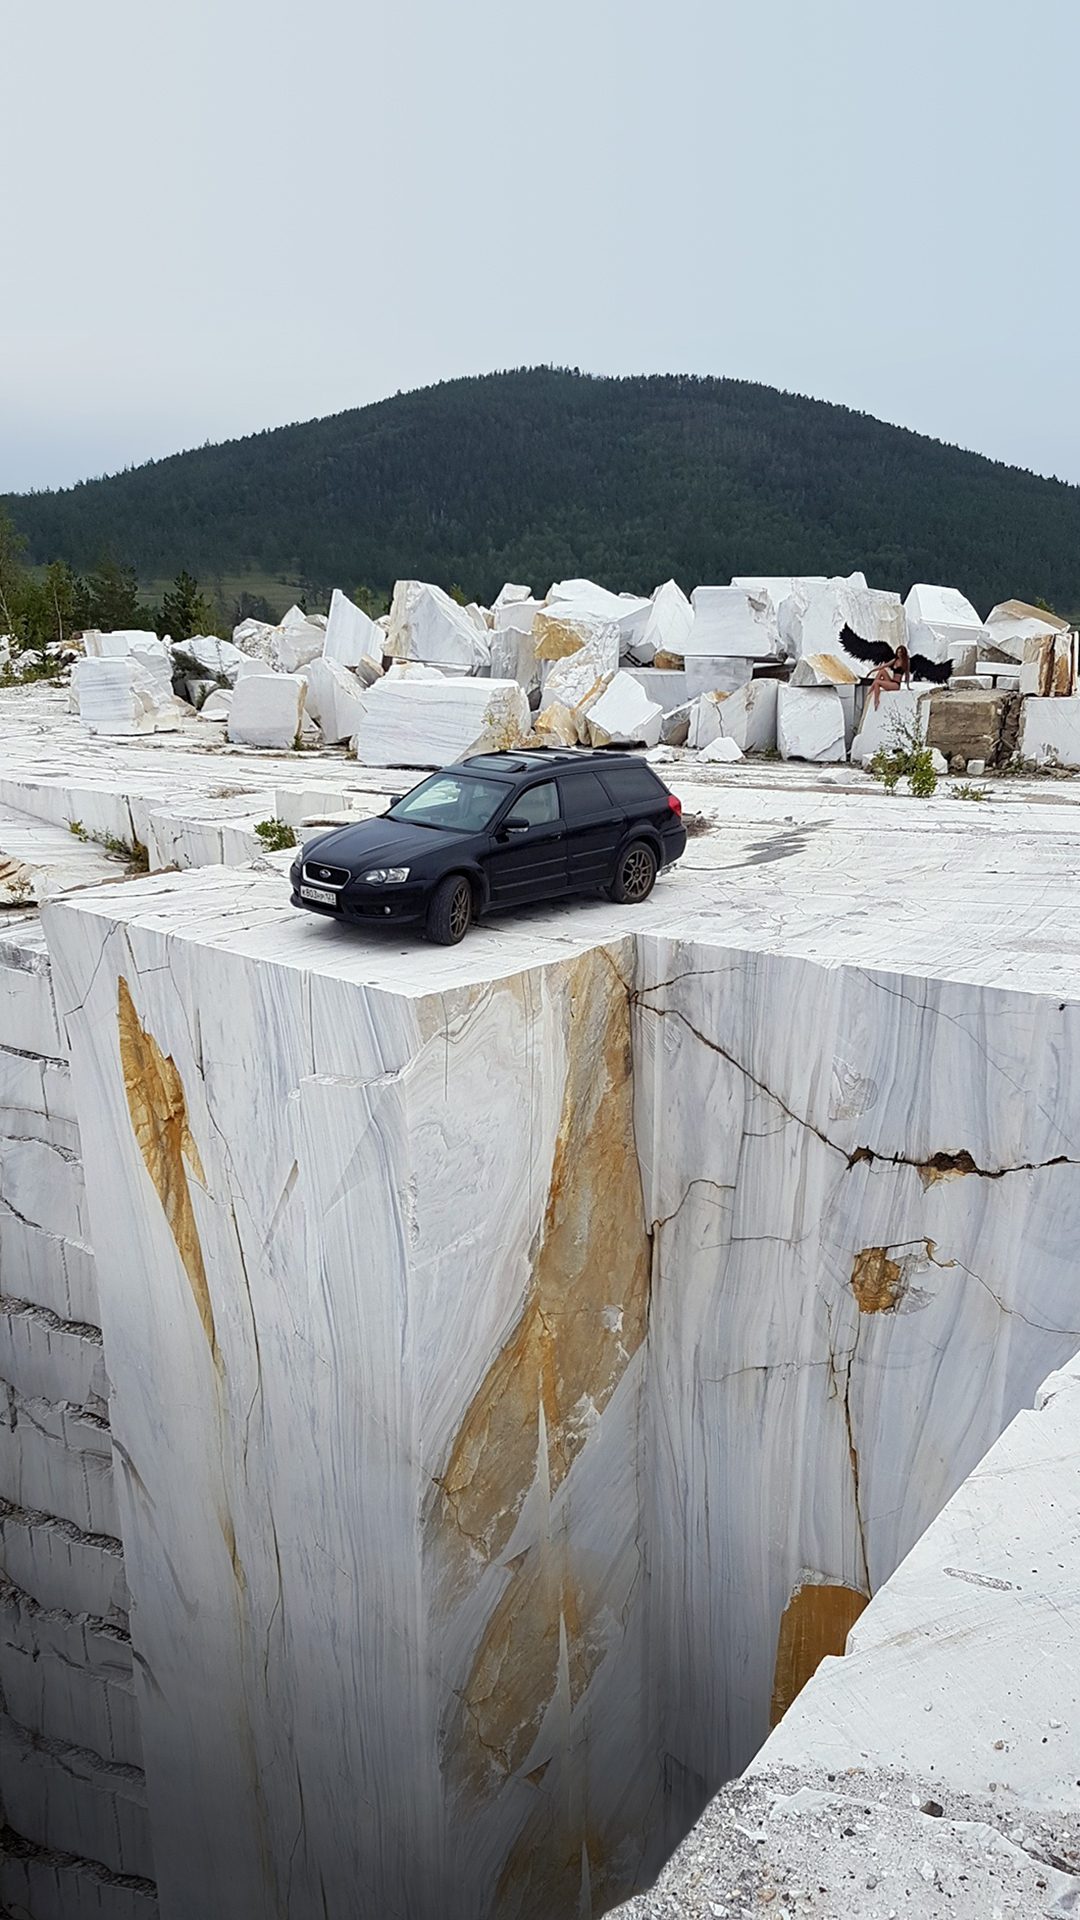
(452, 800)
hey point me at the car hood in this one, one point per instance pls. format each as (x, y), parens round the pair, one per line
(380, 843)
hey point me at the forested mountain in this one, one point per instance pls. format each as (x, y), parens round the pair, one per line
(541, 473)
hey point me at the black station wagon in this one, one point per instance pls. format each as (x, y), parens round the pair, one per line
(496, 831)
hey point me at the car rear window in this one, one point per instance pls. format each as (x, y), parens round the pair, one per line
(583, 795)
(630, 786)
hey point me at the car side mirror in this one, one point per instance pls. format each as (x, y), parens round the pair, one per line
(394, 800)
(515, 823)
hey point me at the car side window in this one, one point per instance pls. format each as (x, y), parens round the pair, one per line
(537, 804)
(633, 786)
(582, 796)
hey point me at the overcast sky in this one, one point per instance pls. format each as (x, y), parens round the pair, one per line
(223, 215)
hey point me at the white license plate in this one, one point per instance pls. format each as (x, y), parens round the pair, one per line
(321, 894)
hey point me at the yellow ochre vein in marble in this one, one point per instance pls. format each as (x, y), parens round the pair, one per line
(158, 1109)
(584, 1317)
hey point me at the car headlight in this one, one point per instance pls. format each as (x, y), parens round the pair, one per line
(385, 876)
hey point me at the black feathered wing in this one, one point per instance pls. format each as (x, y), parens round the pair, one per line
(875, 652)
(924, 669)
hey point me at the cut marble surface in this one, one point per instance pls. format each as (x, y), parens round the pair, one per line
(427, 625)
(267, 709)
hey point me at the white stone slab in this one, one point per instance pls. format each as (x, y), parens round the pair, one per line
(822, 670)
(427, 625)
(730, 621)
(509, 594)
(629, 613)
(704, 725)
(809, 723)
(266, 709)
(116, 645)
(942, 624)
(425, 723)
(1012, 622)
(218, 658)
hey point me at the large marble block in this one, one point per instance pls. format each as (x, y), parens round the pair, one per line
(427, 723)
(810, 723)
(402, 1593)
(1050, 731)
(267, 709)
(667, 625)
(748, 716)
(942, 624)
(623, 715)
(732, 622)
(334, 699)
(299, 639)
(426, 625)
(118, 695)
(812, 616)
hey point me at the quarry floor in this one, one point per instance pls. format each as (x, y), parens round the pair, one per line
(782, 857)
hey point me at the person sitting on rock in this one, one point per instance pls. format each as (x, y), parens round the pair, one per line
(891, 675)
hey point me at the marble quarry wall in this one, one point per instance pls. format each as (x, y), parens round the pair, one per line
(516, 1387)
(73, 1789)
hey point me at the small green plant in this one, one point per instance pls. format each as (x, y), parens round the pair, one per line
(132, 852)
(275, 835)
(965, 791)
(906, 757)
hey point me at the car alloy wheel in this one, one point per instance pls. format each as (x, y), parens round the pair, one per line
(637, 873)
(460, 910)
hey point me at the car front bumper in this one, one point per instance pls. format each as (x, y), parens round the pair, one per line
(370, 906)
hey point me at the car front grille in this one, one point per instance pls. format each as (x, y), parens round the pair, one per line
(319, 876)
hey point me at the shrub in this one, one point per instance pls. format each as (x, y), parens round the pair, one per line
(275, 835)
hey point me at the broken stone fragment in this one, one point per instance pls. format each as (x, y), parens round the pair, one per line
(298, 639)
(704, 725)
(721, 749)
(942, 624)
(748, 716)
(667, 626)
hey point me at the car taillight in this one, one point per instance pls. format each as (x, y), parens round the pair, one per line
(674, 803)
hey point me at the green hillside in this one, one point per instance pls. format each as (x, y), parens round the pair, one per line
(540, 473)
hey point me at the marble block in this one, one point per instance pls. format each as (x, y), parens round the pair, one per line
(667, 686)
(509, 594)
(299, 639)
(810, 723)
(723, 748)
(335, 698)
(1012, 622)
(707, 673)
(217, 704)
(408, 722)
(352, 638)
(942, 623)
(266, 709)
(116, 645)
(220, 659)
(667, 626)
(627, 612)
(117, 695)
(562, 636)
(675, 725)
(513, 649)
(732, 622)
(878, 726)
(581, 674)
(748, 716)
(255, 638)
(704, 723)
(427, 625)
(1050, 731)
(623, 715)
(814, 612)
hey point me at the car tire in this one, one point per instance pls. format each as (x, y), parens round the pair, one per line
(635, 874)
(450, 911)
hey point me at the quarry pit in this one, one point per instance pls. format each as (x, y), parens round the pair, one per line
(457, 1398)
